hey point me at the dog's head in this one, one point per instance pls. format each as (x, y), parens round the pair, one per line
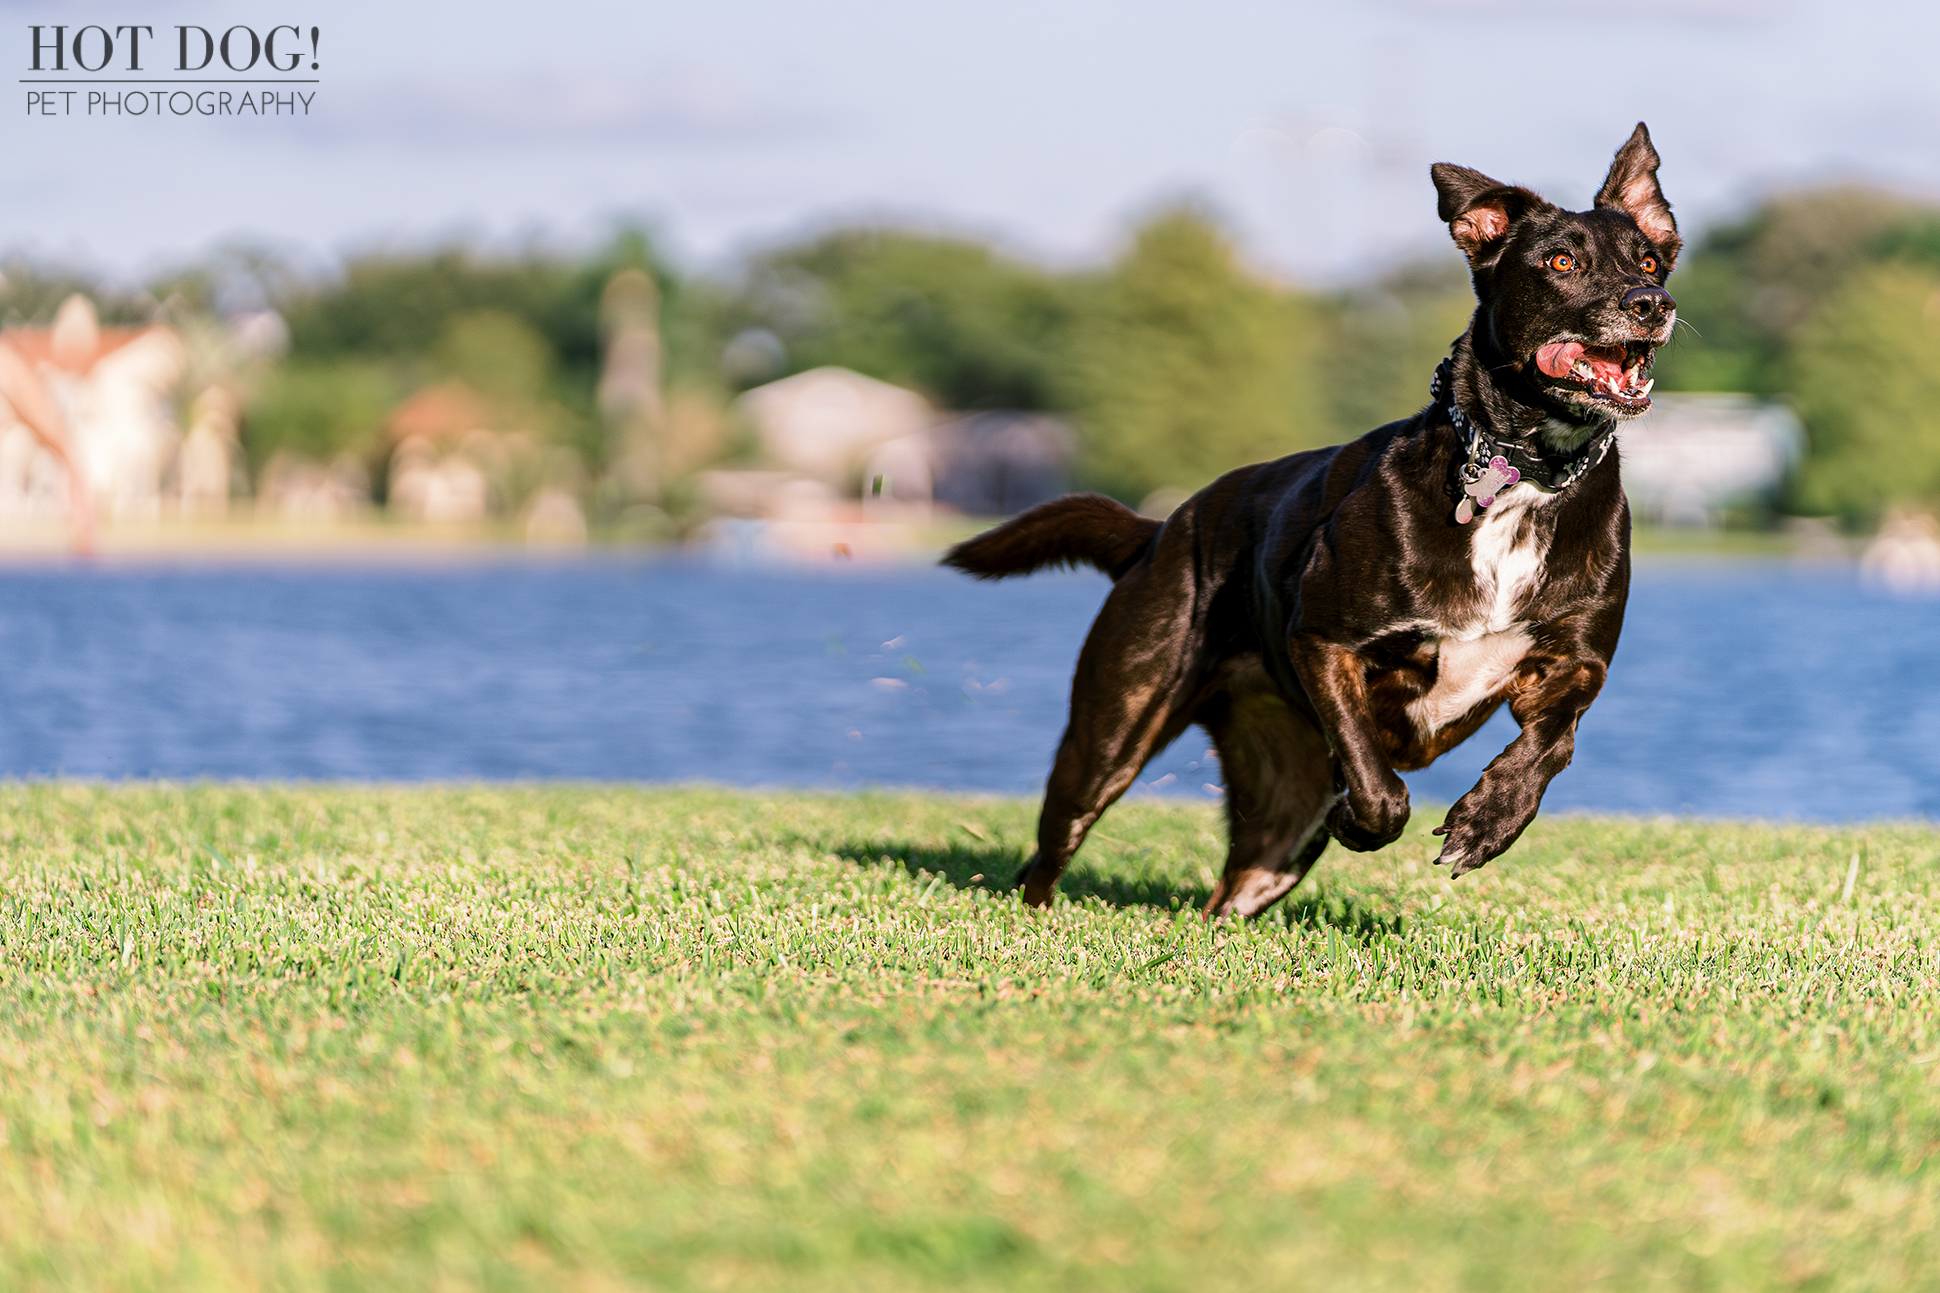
(1574, 301)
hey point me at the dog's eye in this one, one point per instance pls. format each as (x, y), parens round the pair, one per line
(1648, 264)
(1562, 262)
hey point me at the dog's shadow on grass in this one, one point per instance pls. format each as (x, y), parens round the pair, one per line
(994, 868)
(963, 866)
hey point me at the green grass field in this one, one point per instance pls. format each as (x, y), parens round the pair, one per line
(570, 1038)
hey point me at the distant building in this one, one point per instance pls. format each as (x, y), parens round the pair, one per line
(115, 388)
(296, 489)
(451, 464)
(1692, 456)
(861, 438)
(999, 463)
(849, 463)
(822, 423)
(982, 464)
(816, 433)
(438, 440)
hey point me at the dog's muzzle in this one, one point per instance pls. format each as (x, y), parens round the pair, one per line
(1649, 306)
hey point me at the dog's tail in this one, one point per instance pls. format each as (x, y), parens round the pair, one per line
(1078, 529)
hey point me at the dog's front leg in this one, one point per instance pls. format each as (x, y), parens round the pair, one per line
(1548, 700)
(1375, 809)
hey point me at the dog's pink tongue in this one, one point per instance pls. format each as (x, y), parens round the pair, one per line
(1558, 357)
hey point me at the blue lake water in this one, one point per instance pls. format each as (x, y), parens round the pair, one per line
(1741, 689)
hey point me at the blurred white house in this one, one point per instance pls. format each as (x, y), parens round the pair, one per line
(820, 423)
(439, 448)
(117, 390)
(115, 387)
(451, 463)
(848, 463)
(1692, 456)
(814, 433)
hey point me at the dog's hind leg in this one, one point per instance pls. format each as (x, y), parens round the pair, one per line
(1130, 698)
(1279, 786)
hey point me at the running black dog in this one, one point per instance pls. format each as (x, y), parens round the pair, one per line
(1337, 615)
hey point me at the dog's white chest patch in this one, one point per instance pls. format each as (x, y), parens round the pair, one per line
(1507, 550)
(1475, 660)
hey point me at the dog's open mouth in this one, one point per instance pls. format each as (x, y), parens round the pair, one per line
(1618, 375)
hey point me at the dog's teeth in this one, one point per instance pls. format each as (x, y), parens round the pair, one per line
(1645, 389)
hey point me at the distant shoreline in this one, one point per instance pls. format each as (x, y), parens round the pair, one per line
(249, 541)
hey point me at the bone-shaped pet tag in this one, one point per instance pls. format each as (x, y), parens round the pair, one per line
(1481, 491)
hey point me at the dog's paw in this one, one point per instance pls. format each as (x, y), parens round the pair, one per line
(1364, 832)
(1459, 859)
(1036, 888)
(1466, 846)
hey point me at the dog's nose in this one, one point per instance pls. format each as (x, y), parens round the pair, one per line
(1649, 304)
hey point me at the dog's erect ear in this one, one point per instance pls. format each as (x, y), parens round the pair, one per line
(1632, 188)
(1479, 210)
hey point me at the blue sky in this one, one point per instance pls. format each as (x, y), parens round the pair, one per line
(1049, 125)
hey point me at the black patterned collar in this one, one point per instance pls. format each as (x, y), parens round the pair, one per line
(1493, 464)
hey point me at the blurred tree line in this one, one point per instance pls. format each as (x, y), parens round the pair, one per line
(1830, 299)
(523, 333)
(1175, 361)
